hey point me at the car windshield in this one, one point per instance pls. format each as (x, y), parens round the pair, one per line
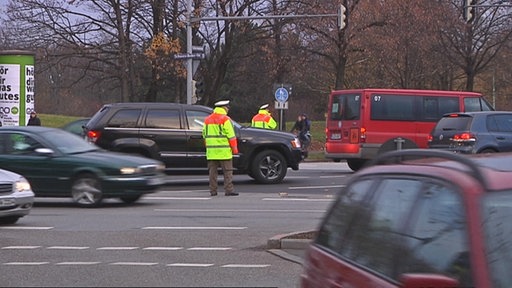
(496, 216)
(68, 143)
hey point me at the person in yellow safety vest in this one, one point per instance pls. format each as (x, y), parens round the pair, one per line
(221, 144)
(264, 119)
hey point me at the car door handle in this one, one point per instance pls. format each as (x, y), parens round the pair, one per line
(150, 136)
(500, 138)
(196, 137)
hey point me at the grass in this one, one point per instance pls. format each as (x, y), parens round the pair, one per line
(56, 120)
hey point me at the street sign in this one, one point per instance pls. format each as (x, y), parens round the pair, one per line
(281, 105)
(189, 56)
(281, 94)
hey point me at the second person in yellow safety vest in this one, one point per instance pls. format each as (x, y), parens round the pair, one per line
(264, 119)
(220, 140)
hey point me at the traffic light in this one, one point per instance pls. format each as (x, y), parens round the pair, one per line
(342, 17)
(469, 10)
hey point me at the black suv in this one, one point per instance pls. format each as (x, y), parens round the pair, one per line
(172, 133)
(473, 132)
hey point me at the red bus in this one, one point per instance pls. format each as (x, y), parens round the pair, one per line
(363, 123)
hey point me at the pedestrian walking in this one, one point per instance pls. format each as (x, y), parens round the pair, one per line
(34, 120)
(264, 119)
(221, 145)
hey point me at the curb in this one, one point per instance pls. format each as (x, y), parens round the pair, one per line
(278, 243)
(286, 241)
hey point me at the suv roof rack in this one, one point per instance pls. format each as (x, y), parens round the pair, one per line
(400, 156)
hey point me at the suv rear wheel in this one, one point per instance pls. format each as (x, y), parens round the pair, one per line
(268, 167)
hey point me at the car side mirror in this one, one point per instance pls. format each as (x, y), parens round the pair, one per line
(427, 280)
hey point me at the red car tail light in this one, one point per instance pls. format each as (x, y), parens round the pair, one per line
(464, 137)
(93, 135)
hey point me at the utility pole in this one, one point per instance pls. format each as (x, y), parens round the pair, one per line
(189, 51)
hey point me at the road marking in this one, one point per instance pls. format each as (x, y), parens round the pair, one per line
(209, 248)
(245, 265)
(188, 265)
(134, 263)
(315, 187)
(68, 247)
(232, 210)
(77, 263)
(296, 199)
(177, 198)
(25, 263)
(192, 228)
(117, 248)
(333, 176)
(21, 247)
(163, 248)
(25, 228)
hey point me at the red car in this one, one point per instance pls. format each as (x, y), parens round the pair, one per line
(418, 218)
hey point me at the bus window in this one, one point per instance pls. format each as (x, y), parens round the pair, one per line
(435, 107)
(346, 107)
(392, 107)
(476, 104)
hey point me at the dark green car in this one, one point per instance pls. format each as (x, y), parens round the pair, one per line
(60, 164)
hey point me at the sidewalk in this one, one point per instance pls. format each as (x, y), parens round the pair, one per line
(291, 247)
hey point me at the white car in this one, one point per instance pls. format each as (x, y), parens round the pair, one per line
(16, 197)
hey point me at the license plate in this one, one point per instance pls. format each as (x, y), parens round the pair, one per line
(336, 136)
(7, 202)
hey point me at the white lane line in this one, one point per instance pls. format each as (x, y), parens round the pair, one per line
(25, 228)
(67, 247)
(77, 263)
(296, 199)
(245, 265)
(134, 263)
(188, 265)
(117, 248)
(233, 210)
(177, 198)
(25, 263)
(315, 187)
(163, 248)
(209, 248)
(21, 247)
(192, 228)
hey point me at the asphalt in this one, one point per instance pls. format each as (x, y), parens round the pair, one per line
(288, 247)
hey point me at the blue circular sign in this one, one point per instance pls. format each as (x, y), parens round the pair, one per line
(281, 95)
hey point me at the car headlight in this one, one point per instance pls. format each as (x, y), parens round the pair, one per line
(22, 185)
(129, 170)
(296, 143)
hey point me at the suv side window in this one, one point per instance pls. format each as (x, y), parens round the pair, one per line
(332, 232)
(163, 118)
(195, 119)
(408, 226)
(125, 118)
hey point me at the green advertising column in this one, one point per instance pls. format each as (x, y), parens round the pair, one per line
(16, 87)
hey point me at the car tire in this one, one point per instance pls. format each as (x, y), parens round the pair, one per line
(130, 199)
(269, 167)
(356, 164)
(9, 220)
(86, 190)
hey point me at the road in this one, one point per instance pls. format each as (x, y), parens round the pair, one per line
(179, 237)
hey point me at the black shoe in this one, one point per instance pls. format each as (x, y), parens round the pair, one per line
(232, 194)
(213, 193)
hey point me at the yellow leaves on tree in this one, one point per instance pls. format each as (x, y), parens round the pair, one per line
(160, 54)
